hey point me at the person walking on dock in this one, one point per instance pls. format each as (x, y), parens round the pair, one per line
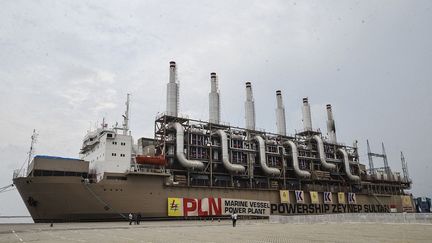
(234, 219)
(130, 218)
(138, 218)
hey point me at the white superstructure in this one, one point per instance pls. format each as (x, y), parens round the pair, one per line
(108, 149)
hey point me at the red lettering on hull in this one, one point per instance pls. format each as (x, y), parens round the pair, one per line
(189, 206)
(202, 207)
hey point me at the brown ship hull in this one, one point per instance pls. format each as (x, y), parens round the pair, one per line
(60, 199)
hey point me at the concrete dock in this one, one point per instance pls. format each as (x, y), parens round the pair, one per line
(208, 231)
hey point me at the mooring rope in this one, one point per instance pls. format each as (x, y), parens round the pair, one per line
(102, 201)
(7, 188)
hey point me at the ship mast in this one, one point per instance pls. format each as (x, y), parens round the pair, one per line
(126, 116)
(32, 148)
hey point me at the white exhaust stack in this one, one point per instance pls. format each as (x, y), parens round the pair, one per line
(331, 128)
(214, 101)
(172, 92)
(307, 120)
(250, 108)
(280, 114)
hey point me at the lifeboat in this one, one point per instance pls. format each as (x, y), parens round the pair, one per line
(150, 160)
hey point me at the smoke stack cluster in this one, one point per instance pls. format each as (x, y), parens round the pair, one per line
(172, 92)
(331, 128)
(172, 106)
(280, 114)
(250, 108)
(214, 100)
(307, 118)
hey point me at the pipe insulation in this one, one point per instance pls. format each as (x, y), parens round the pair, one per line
(280, 114)
(320, 145)
(307, 117)
(172, 102)
(214, 101)
(347, 166)
(249, 108)
(262, 158)
(331, 128)
(294, 152)
(235, 168)
(190, 164)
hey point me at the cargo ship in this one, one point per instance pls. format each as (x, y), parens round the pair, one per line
(193, 168)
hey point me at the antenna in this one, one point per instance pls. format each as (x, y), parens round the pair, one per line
(404, 167)
(386, 166)
(104, 125)
(369, 153)
(126, 116)
(32, 148)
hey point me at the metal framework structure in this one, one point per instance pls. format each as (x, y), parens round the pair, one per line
(210, 154)
(404, 168)
(383, 155)
(202, 143)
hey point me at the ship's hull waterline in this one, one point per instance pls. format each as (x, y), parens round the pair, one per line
(61, 199)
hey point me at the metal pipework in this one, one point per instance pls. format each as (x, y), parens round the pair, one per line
(172, 92)
(249, 108)
(262, 158)
(321, 152)
(331, 128)
(214, 101)
(347, 166)
(294, 152)
(190, 164)
(235, 168)
(280, 114)
(307, 117)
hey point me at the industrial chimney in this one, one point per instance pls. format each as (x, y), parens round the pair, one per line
(331, 128)
(214, 101)
(172, 92)
(250, 108)
(280, 114)
(307, 120)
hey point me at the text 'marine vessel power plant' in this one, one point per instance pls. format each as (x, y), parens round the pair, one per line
(197, 168)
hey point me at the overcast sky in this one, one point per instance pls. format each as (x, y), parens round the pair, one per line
(64, 65)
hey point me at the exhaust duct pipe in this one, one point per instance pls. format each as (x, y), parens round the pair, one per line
(347, 166)
(235, 168)
(250, 108)
(307, 118)
(331, 128)
(322, 156)
(190, 164)
(262, 158)
(280, 114)
(294, 152)
(172, 92)
(214, 101)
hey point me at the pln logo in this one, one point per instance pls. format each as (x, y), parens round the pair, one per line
(175, 206)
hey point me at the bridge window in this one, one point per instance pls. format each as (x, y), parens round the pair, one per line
(59, 173)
